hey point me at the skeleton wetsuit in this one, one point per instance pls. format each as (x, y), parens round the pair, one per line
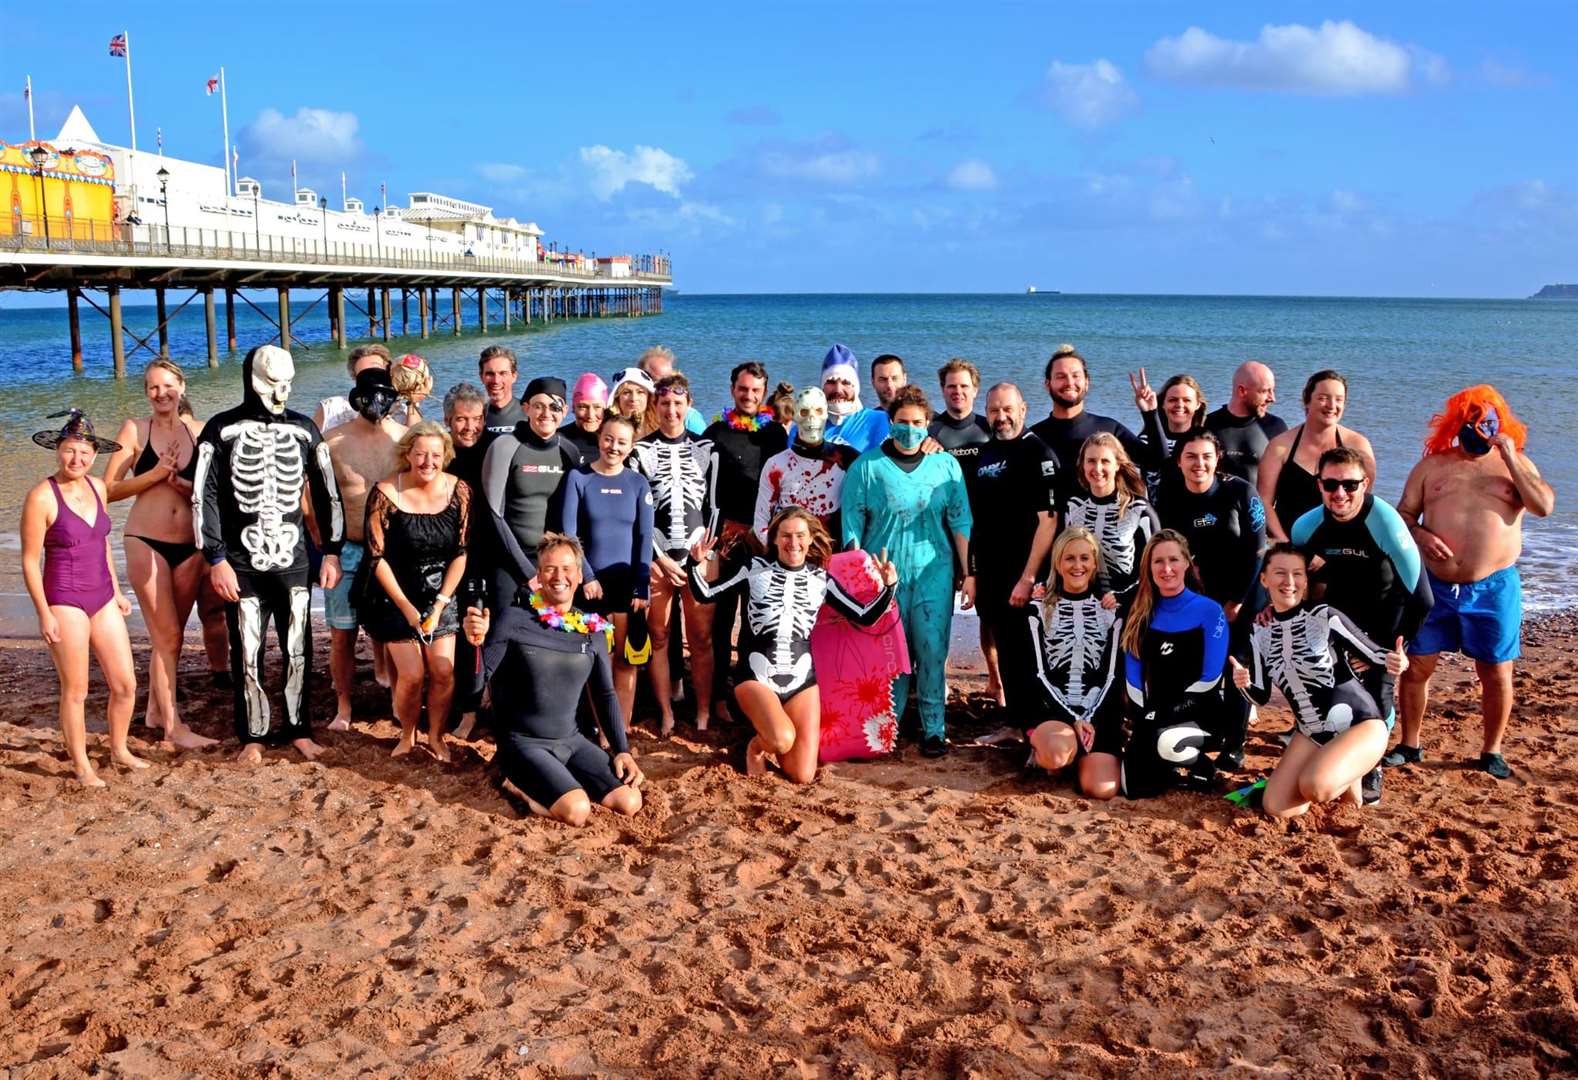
(252, 466)
(1175, 694)
(683, 473)
(1121, 532)
(1076, 654)
(1303, 652)
(781, 606)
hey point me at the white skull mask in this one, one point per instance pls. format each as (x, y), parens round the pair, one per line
(810, 415)
(272, 372)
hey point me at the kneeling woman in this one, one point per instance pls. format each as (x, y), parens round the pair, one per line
(774, 682)
(1175, 649)
(1076, 656)
(1304, 651)
(538, 660)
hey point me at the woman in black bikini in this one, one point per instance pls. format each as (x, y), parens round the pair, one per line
(1287, 468)
(161, 558)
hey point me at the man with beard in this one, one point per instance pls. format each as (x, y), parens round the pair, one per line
(1012, 501)
(848, 422)
(497, 371)
(1243, 426)
(1065, 431)
(363, 451)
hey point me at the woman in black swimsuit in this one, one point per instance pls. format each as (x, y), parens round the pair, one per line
(161, 559)
(1287, 468)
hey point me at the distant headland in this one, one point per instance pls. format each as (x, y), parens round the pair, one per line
(1557, 292)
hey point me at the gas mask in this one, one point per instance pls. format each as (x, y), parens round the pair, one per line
(1475, 438)
(375, 405)
(272, 372)
(810, 415)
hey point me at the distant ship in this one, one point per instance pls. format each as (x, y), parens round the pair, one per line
(1033, 291)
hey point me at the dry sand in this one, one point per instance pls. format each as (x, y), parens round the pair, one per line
(367, 916)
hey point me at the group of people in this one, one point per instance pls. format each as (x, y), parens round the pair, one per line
(1139, 594)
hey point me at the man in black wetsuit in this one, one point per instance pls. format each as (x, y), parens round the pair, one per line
(744, 440)
(497, 371)
(1012, 502)
(1065, 431)
(464, 408)
(1243, 426)
(539, 660)
(959, 429)
(522, 480)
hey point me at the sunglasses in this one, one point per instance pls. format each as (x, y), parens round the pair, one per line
(1330, 486)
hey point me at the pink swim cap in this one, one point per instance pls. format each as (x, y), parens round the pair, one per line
(589, 388)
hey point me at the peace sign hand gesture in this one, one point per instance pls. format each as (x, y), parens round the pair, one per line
(1144, 394)
(886, 570)
(703, 547)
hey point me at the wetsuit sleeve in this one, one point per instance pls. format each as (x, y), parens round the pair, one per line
(500, 636)
(1150, 452)
(764, 503)
(641, 553)
(1391, 535)
(854, 610)
(600, 684)
(736, 568)
(1259, 688)
(1150, 525)
(1213, 656)
(205, 496)
(1303, 530)
(853, 509)
(1244, 565)
(1134, 678)
(1109, 682)
(496, 464)
(327, 509)
(1052, 700)
(957, 513)
(1356, 639)
(570, 517)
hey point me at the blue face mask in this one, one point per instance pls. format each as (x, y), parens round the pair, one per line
(1475, 438)
(907, 436)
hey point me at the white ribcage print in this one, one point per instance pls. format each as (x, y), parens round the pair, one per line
(783, 606)
(1075, 643)
(267, 473)
(679, 485)
(1114, 531)
(1299, 659)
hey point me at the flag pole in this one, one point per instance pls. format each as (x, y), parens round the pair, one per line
(224, 113)
(32, 136)
(342, 189)
(131, 109)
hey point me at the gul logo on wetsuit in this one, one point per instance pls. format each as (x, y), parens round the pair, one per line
(530, 468)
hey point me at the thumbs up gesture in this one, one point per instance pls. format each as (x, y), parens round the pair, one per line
(1240, 673)
(1397, 660)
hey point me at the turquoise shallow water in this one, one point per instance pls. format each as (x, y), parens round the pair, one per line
(1402, 359)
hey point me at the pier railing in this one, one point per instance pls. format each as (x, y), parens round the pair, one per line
(66, 235)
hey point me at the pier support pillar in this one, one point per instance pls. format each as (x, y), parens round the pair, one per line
(211, 324)
(454, 306)
(337, 314)
(383, 311)
(421, 311)
(372, 313)
(284, 319)
(507, 311)
(482, 308)
(75, 323)
(405, 312)
(164, 325)
(230, 319)
(117, 331)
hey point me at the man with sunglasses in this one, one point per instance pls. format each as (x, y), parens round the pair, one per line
(1363, 559)
(522, 482)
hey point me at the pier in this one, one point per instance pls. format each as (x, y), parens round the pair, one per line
(436, 293)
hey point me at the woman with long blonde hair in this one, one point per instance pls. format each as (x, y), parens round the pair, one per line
(1111, 503)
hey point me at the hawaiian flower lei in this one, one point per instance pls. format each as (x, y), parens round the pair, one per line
(573, 621)
(735, 420)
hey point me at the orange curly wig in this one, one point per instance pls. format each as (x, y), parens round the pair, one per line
(1467, 407)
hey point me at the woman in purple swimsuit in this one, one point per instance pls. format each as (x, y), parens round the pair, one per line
(78, 598)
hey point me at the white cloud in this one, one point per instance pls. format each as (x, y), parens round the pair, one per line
(311, 136)
(972, 174)
(1090, 95)
(1509, 76)
(612, 170)
(499, 172)
(824, 166)
(1336, 58)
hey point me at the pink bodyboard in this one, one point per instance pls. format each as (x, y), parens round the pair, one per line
(856, 666)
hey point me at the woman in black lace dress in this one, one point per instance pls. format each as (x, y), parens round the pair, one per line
(417, 525)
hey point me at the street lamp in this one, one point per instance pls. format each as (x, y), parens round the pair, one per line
(323, 204)
(164, 194)
(39, 156)
(378, 230)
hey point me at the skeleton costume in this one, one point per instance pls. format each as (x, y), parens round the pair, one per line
(252, 464)
(1122, 533)
(683, 473)
(1304, 653)
(1076, 655)
(781, 606)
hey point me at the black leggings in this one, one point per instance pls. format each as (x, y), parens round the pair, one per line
(548, 769)
(284, 599)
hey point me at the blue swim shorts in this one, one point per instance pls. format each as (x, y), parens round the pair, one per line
(1482, 620)
(338, 611)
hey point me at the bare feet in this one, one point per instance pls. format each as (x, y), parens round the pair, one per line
(404, 746)
(251, 754)
(468, 724)
(307, 748)
(666, 726)
(1001, 735)
(536, 807)
(755, 759)
(184, 738)
(89, 779)
(341, 722)
(127, 760)
(994, 690)
(438, 747)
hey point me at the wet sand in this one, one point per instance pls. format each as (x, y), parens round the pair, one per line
(365, 915)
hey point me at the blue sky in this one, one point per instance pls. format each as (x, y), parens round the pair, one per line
(1409, 149)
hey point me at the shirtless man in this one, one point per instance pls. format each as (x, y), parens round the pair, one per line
(1464, 503)
(363, 453)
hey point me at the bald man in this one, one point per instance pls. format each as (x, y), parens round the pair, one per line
(1243, 426)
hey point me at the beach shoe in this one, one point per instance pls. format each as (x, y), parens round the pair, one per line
(1495, 765)
(1370, 786)
(1403, 754)
(934, 746)
(1286, 737)
(1251, 796)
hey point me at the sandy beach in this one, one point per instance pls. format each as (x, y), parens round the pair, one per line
(370, 916)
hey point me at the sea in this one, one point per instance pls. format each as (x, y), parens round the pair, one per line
(1402, 359)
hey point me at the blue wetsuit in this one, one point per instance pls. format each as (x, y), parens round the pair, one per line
(912, 506)
(612, 517)
(864, 429)
(1175, 694)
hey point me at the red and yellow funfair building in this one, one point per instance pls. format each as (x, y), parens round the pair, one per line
(50, 192)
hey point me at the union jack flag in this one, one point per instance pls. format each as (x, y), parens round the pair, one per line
(213, 84)
(118, 45)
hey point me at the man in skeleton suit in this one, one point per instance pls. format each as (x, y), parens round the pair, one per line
(252, 463)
